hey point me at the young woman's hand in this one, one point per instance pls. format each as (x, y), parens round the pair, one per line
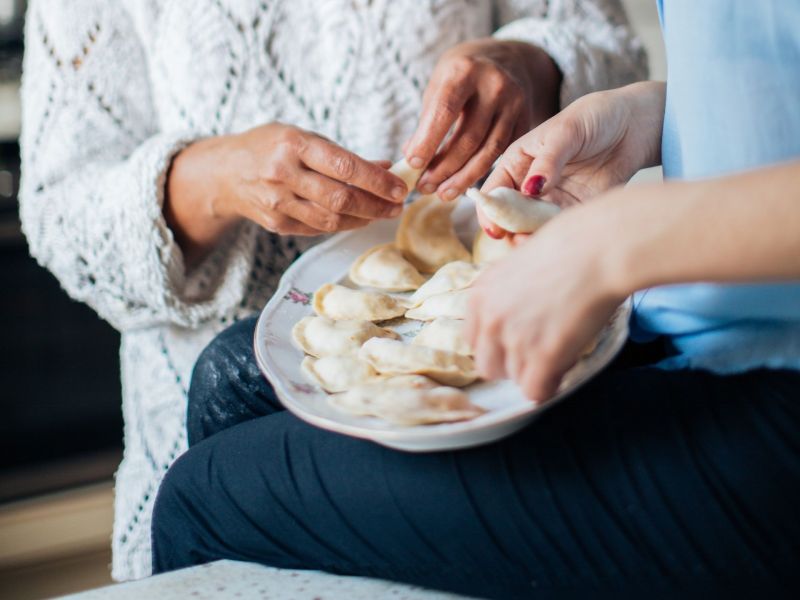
(288, 180)
(597, 142)
(492, 91)
(532, 314)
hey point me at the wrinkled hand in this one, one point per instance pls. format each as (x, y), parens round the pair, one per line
(492, 91)
(285, 179)
(597, 142)
(533, 313)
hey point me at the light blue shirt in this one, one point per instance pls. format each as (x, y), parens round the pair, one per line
(733, 103)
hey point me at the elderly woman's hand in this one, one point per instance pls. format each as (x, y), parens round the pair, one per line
(597, 142)
(532, 314)
(492, 91)
(288, 180)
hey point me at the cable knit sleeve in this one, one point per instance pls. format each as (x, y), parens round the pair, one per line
(589, 40)
(94, 163)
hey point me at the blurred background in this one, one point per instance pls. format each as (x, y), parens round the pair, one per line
(60, 415)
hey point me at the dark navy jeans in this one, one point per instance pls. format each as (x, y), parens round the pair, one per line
(644, 483)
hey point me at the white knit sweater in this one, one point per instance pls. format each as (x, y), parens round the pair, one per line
(112, 89)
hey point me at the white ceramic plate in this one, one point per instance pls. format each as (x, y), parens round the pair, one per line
(507, 409)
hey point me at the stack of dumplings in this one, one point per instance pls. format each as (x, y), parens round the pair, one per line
(353, 352)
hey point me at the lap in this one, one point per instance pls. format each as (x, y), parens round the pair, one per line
(643, 476)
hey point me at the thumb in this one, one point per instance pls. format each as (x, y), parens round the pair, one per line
(558, 146)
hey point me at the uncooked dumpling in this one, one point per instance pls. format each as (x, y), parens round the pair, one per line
(395, 357)
(512, 210)
(337, 373)
(426, 236)
(407, 173)
(451, 277)
(320, 336)
(450, 305)
(340, 303)
(407, 406)
(444, 334)
(384, 267)
(486, 249)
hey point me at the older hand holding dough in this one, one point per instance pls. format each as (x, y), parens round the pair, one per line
(513, 211)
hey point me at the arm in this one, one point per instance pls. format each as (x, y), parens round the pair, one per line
(739, 228)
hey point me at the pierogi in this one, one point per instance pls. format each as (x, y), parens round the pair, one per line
(407, 406)
(451, 277)
(394, 357)
(385, 268)
(512, 210)
(341, 303)
(337, 373)
(444, 334)
(486, 250)
(450, 305)
(320, 336)
(426, 236)
(407, 173)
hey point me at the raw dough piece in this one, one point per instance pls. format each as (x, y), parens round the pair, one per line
(512, 210)
(426, 236)
(451, 277)
(407, 406)
(408, 174)
(320, 336)
(486, 249)
(384, 267)
(340, 303)
(444, 334)
(395, 357)
(450, 305)
(337, 373)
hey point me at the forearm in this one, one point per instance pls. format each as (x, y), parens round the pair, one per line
(733, 229)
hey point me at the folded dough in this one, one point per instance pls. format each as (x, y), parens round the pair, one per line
(444, 334)
(450, 305)
(486, 249)
(395, 357)
(407, 406)
(512, 210)
(385, 268)
(337, 373)
(407, 173)
(451, 277)
(426, 236)
(320, 336)
(340, 303)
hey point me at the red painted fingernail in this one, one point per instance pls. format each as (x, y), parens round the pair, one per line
(491, 234)
(534, 185)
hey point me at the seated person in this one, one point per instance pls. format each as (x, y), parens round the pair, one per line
(680, 473)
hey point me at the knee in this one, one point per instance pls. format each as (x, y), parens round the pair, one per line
(175, 539)
(220, 368)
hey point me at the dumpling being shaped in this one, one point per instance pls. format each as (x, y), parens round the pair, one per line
(407, 173)
(450, 305)
(486, 249)
(407, 406)
(337, 373)
(453, 276)
(444, 334)
(426, 236)
(384, 267)
(320, 336)
(341, 303)
(395, 357)
(513, 210)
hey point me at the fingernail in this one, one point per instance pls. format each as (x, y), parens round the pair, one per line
(449, 194)
(399, 193)
(534, 185)
(426, 188)
(491, 234)
(416, 162)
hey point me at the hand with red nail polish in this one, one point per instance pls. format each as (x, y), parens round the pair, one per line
(597, 142)
(488, 92)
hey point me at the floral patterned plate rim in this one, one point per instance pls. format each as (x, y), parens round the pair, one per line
(507, 409)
